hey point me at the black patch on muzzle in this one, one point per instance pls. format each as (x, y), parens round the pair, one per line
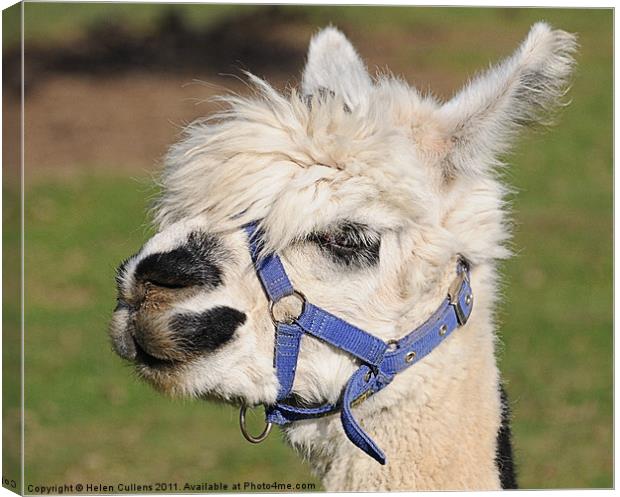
(188, 265)
(206, 331)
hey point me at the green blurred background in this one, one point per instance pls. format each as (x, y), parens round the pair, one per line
(108, 87)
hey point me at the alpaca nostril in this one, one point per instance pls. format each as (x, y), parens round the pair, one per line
(123, 305)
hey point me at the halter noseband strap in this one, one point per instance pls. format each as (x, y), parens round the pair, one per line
(380, 361)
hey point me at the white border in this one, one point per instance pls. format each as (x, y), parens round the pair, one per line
(452, 3)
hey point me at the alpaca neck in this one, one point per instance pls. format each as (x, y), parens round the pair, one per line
(437, 422)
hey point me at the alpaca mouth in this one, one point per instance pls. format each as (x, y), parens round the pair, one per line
(144, 358)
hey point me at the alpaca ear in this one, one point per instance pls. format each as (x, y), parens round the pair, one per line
(482, 120)
(334, 66)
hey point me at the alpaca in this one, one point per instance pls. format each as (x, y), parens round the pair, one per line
(372, 200)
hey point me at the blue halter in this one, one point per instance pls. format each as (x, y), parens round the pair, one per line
(379, 361)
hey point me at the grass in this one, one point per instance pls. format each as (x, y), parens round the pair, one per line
(96, 422)
(11, 342)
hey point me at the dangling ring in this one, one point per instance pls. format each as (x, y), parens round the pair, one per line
(246, 434)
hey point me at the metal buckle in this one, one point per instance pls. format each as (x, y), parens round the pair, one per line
(291, 319)
(453, 294)
(251, 438)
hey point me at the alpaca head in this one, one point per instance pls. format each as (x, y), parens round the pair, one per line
(367, 190)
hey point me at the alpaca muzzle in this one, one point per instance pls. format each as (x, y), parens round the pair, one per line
(147, 327)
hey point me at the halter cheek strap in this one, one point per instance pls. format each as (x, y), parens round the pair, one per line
(379, 361)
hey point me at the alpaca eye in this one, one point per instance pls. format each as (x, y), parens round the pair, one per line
(338, 240)
(350, 244)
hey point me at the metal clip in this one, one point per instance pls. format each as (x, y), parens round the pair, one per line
(453, 294)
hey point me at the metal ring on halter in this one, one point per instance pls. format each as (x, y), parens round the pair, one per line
(297, 294)
(250, 438)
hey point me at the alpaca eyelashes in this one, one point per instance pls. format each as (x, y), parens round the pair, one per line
(349, 244)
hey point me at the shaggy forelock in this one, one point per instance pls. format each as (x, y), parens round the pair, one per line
(268, 154)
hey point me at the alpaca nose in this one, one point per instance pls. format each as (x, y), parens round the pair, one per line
(183, 336)
(145, 327)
